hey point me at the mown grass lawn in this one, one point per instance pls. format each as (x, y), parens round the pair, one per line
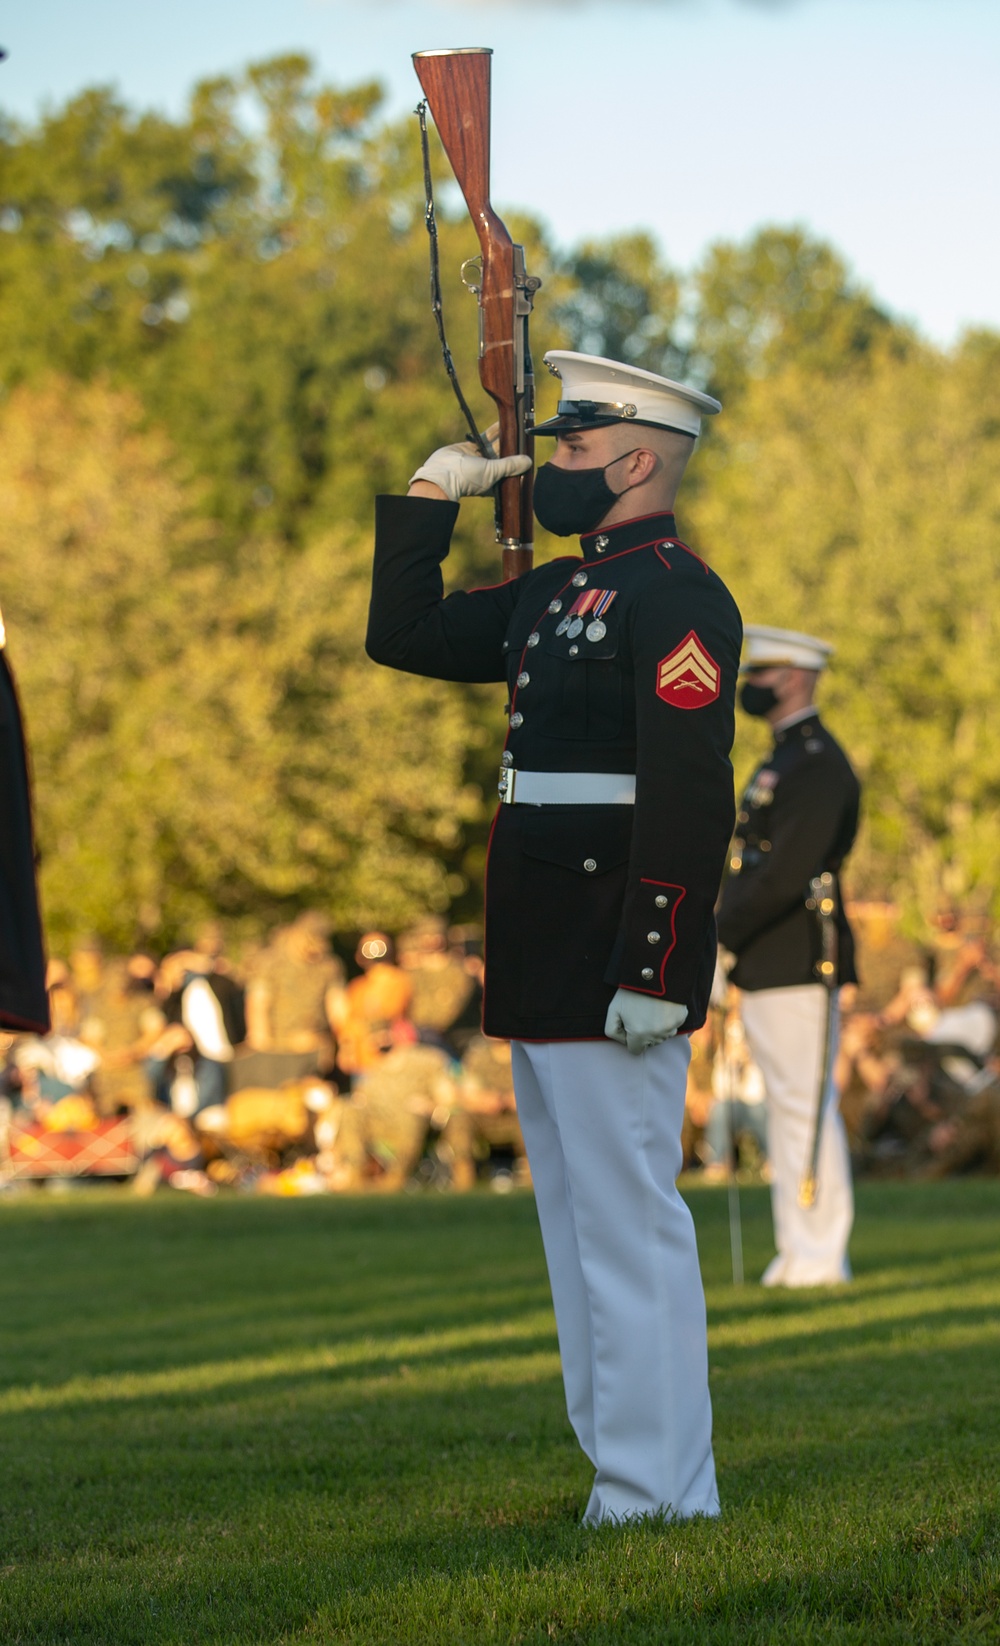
(250, 1421)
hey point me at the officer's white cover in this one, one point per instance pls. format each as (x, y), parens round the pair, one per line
(765, 648)
(655, 399)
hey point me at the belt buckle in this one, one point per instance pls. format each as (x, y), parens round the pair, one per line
(505, 786)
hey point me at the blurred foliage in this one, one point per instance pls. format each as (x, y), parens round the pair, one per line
(205, 738)
(217, 347)
(869, 504)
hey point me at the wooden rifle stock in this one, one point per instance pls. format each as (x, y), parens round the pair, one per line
(456, 85)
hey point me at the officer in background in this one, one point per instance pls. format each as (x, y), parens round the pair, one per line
(24, 1003)
(604, 866)
(797, 819)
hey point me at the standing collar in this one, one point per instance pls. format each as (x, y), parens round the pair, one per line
(802, 721)
(627, 534)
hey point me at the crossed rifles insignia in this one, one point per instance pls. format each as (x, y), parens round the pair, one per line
(689, 678)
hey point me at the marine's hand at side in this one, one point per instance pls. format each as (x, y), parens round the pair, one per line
(638, 1021)
(459, 471)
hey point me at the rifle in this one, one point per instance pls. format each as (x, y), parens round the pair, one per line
(456, 86)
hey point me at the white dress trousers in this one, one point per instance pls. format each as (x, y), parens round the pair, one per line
(603, 1135)
(785, 1029)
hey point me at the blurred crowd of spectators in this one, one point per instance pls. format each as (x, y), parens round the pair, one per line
(284, 1074)
(917, 1072)
(293, 1073)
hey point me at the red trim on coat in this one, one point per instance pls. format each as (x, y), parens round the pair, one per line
(633, 520)
(675, 543)
(486, 870)
(9, 1021)
(669, 885)
(565, 1040)
(586, 1039)
(543, 614)
(604, 559)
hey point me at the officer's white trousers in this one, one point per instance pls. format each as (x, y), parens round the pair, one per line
(785, 1029)
(603, 1135)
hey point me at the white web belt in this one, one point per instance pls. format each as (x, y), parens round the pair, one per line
(566, 788)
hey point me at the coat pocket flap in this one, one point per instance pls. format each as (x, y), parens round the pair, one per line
(591, 840)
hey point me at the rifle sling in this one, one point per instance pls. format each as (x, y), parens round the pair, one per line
(437, 306)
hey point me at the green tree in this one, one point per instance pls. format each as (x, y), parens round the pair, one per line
(865, 507)
(202, 741)
(621, 302)
(236, 314)
(780, 298)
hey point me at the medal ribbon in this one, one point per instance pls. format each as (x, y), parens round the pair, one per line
(592, 600)
(583, 603)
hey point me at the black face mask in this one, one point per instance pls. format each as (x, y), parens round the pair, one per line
(757, 700)
(570, 502)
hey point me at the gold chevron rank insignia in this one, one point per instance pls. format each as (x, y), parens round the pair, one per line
(689, 678)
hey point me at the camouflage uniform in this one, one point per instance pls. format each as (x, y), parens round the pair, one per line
(115, 1020)
(440, 994)
(297, 991)
(388, 1117)
(486, 1075)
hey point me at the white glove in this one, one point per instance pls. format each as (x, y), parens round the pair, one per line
(461, 472)
(638, 1021)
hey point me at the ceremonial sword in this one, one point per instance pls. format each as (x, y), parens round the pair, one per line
(823, 899)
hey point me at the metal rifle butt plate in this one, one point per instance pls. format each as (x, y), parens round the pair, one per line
(455, 51)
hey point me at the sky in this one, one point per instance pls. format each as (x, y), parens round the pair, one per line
(874, 124)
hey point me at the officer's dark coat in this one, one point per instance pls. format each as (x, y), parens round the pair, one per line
(798, 818)
(23, 1000)
(583, 899)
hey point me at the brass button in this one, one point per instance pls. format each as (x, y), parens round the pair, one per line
(506, 759)
(590, 864)
(523, 678)
(661, 901)
(652, 937)
(573, 651)
(647, 972)
(555, 606)
(601, 543)
(534, 638)
(515, 721)
(765, 845)
(579, 579)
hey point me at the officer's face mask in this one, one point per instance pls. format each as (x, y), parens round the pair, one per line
(570, 502)
(757, 700)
